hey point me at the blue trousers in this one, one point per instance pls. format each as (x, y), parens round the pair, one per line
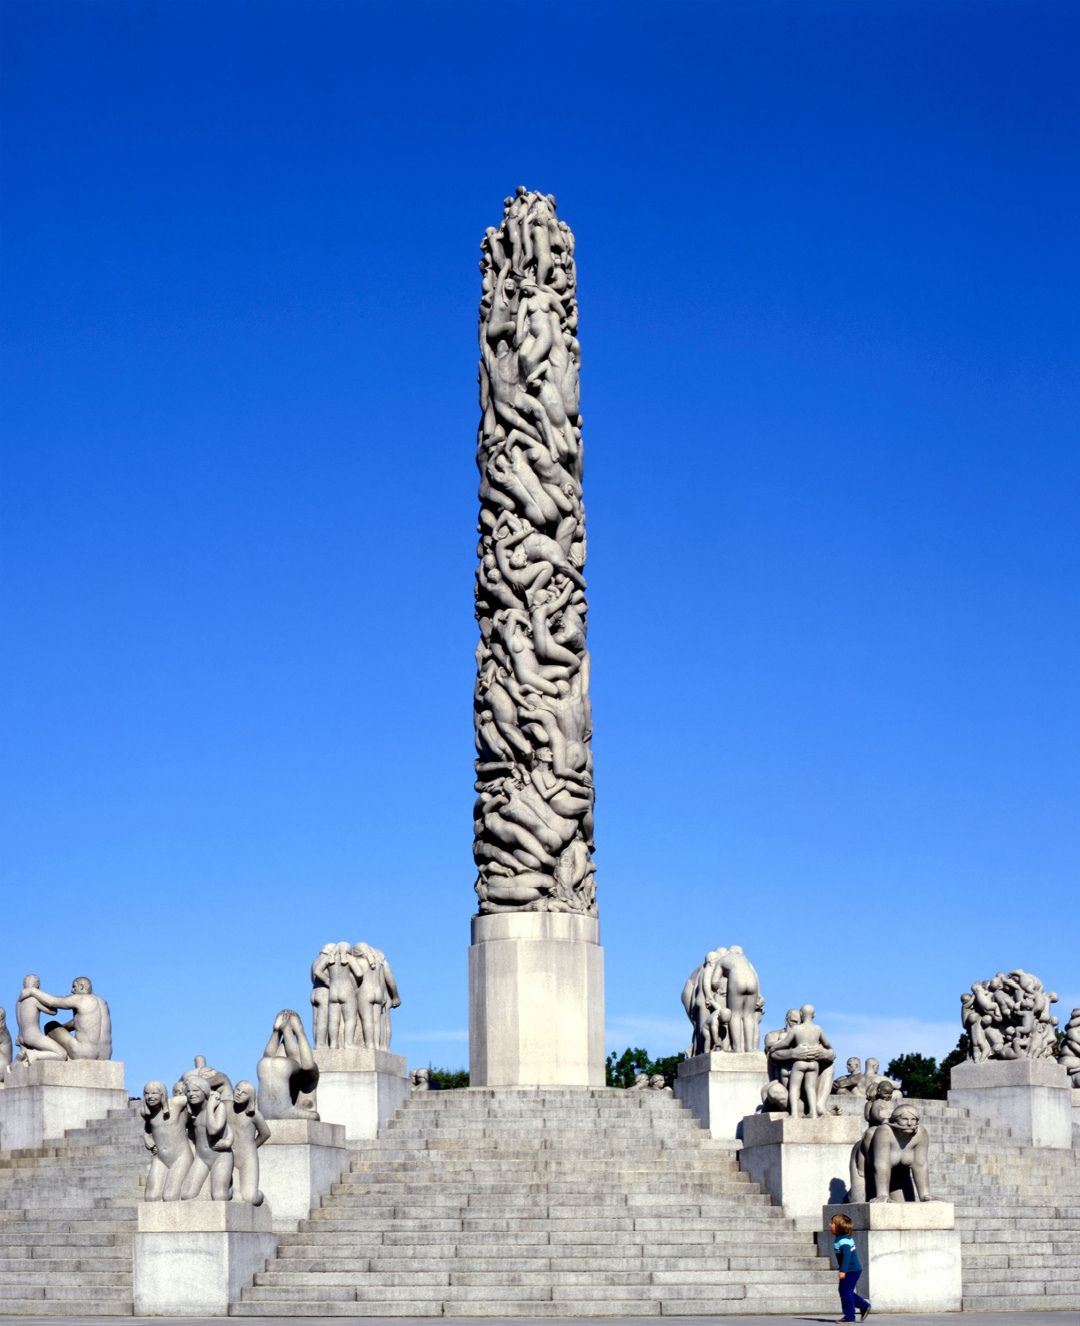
(849, 1300)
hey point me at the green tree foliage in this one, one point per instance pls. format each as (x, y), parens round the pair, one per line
(622, 1069)
(448, 1078)
(922, 1077)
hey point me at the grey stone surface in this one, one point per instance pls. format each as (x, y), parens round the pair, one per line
(88, 1035)
(802, 1163)
(722, 999)
(361, 1089)
(533, 819)
(1069, 1051)
(353, 991)
(801, 1063)
(300, 1162)
(42, 1100)
(890, 1163)
(911, 1255)
(5, 1044)
(721, 1088)
(536, 1000)
(287, 1072)
(1009, 1017)
(1030, 1097)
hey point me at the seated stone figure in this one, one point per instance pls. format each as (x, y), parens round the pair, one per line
(896, 1161)
(249, 1132)
(165, 1134)
(287, 1071)
(852, 1081)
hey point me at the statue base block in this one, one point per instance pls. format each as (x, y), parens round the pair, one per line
(361, 1089)
(536, 1000)
(301, 1160)
(1076, 1107)
(192, 1259)
(846, 1102)
(801, 1163)
(721, 1088)
(1030, 1097)
(910, 1253)
(41, 1101)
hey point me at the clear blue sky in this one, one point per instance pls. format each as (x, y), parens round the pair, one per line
(829, 287)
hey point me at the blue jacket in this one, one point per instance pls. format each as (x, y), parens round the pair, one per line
(847, 1257)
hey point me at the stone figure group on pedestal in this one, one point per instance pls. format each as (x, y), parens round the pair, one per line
(5, 1042)
(890, 1160)
(1009, 1017)
(352, 995)
(533, 817)
(800, 1060)
(88, 1035)
(203, 1138)
(1069, 1052)
(859, 1082)
(722, 999)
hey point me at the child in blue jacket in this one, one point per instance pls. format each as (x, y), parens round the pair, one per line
(849, 1268)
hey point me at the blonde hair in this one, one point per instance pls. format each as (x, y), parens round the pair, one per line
(841, 1224)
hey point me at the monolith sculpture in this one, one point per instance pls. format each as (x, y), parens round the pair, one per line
(535, 965)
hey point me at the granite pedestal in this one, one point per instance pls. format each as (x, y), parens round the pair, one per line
(192, 1259)
(910, 1253)
(43, 1100)
(721, 1088)
(298, 1163)
(1076, 1107)
(361, 1089)
(536, 1000)
(1030, 1097)
(801, 1163)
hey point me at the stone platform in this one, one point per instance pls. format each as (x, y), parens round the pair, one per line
(41, 1101)
(301, 1160)
(721, 1088)
(910, 1252)
(803, 1164)
(1030, 1097)
(361, 1089)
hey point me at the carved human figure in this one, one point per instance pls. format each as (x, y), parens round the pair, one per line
(320, 995)
(249, 1132)
(5, 1042)
(806, 1051)
(29, 1006)
(1009, 1017)
(852, 1081)
(287, 1072)
(420, 1079)
(211, 1140)
(165, 1135)
(873, 1076)
(1069, 1054)
(698, 1004)
(742, 991)
(378, 994)
(897, 1159)
(89, 1033)
(878, 1110)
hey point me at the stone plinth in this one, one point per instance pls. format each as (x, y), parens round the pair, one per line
(192, 1259)
(299, 1162)
(1030, 1097)
(721, 1088)
(361, 1089)
(801, 1163)
(536, 1000)
(1076, 1107)
(846, 1102)
(42, 1100)
(910, 1252)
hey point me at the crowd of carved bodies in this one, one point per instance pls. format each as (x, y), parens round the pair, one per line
(88, 1035)
(353, 991)
(533, 818)
(203, 1138)
(1009, 1017)
(722, 999)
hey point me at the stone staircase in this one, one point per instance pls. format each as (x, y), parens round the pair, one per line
(1017, 1209)
(67, 1221)
(550, 1203)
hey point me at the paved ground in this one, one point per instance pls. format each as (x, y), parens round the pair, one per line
(896, 1318)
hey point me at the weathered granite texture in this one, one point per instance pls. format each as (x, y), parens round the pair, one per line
(890, 1160)
(1009, 1017)
(533, 819)
(287, 1072)
(87, 1036)
(722, 999)
(1069, 1052)
(353, 991)
(801, 1063)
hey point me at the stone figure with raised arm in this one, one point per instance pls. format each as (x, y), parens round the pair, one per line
(287, 1071)
(1009, 1017)
(249, 1132)
(89, 1033)
(165, 1134)
(378, 994)
(33, 1042)
(211, 1139)
(806, 1050)
(5, 1042)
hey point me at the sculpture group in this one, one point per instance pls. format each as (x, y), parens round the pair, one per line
(1009, 1017)
(353, 991)
(890, 1161)
(533, 816)
(722, 999)
(800, 1060)
(88, 1034)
